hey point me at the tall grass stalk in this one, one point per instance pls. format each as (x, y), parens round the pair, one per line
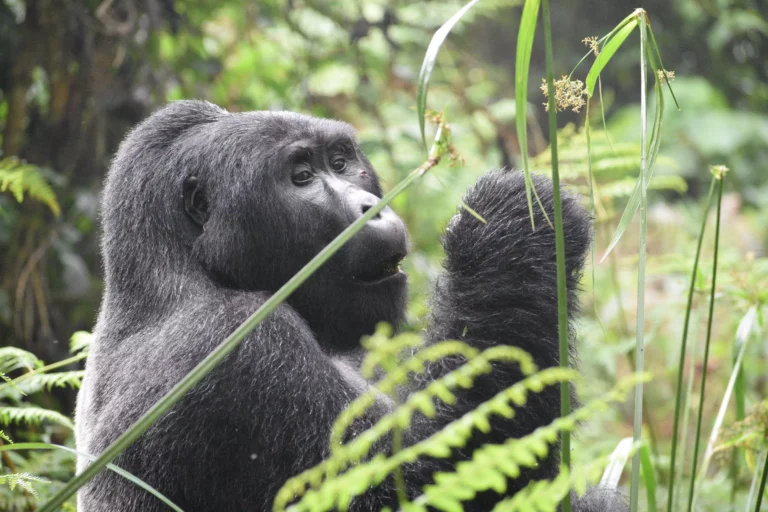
(757, 488)
(743, 335)
(740, 398)
(720, 175)
(439, 148)
(562, 297)
(761, 489)
(640, 331)
(681, 362)
(688, 397)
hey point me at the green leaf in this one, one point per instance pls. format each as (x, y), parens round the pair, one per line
(525, 38)
(610, 48)
(80, 340)
(33, 415)
(649, 477)
(429, 63)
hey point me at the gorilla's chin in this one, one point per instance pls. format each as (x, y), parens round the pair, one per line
(341, 311)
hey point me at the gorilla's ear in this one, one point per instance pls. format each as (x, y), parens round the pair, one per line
(195, 202)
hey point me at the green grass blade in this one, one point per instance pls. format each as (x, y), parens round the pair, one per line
(746, 325)
(591, 186)
(631, 16)
(655, 146)
(757, 488)
(649, 476)
(562, 293)
(617, 461)
(651, 153)
(705, 361)
(610, 48)
(686, 323)
(739, 392)
(761, 489)
(525, 38)
(128, 476)
(658, 55)
(422, 86)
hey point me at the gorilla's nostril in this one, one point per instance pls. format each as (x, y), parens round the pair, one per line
(367, 207)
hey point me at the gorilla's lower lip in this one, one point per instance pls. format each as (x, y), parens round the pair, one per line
(385, 270)
(397, 276)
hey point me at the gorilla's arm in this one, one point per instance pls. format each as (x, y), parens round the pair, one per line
(500, 287)
(267, 409)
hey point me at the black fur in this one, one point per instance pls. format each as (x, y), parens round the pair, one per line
(200, 228)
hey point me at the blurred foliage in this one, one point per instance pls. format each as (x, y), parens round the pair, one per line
(22, 376)
(75, 75)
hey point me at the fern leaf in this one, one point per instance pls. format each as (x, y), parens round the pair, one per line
(12, 358)
(80, 341)
(23, 480)
(48, 381)
(20, 178)
(32, 415)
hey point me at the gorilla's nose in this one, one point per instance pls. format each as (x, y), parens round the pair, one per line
(385, 231)
(367, 204)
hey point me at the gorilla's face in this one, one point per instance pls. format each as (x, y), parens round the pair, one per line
(279, 189)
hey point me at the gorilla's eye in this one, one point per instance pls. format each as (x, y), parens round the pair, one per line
(338, 164)
(302, 177)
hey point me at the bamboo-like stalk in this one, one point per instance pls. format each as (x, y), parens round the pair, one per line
(562, 297)
(705, 362)
(640, 327)
(233, 340)
(681, 363)
(762, 460)
(761, 490)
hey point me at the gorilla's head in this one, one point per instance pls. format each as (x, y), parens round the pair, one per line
(248, 199)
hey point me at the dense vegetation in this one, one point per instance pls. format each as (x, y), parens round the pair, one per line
(76, 75)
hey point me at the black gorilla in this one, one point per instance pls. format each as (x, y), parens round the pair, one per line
(206, 213)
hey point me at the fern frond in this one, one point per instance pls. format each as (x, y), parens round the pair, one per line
(538, 496)
(5, 437)
(22, 480)
(80, 341)
(33, 415)
(625, 186)
(13, 358)
(20, 178)
(337, 488)
(48, 381)
(384, 351)
(492, 464)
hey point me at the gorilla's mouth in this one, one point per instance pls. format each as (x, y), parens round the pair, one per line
(383, 270)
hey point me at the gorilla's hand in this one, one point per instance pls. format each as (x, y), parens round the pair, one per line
(508, 250)
(500, 284)
(500, 288)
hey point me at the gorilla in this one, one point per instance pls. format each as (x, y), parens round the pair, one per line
(205, 214)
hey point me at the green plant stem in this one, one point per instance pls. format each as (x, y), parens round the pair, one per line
(761, 490)
(681, 363)
(640, 328)
(705, 362)
(686, 407)
(562, 297)
(234, 339)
